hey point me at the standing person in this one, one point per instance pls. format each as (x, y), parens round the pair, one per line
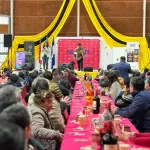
(45, 56)
(123, 68)
(79, 54)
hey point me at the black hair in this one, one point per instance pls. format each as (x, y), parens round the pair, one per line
(79, 44)
(146, 70)
(40, 84)
(106, 73)
(136, 74)
(57, 71)
(21, 74)
(12, 136)
(5, 70)
(122, 58)
(36, 71)
(112, 77)
(48, 75)
(8, 96)
(137, 83)
(101, 72)
(13, 78)
(18, 114)
(117, 73)
(33, 75)
(127, 82)
(54, 70)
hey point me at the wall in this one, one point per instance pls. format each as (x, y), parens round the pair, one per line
(33, 16)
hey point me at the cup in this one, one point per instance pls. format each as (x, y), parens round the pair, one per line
(116, 121)
(81, 120)
(126, 128)
(124, 147)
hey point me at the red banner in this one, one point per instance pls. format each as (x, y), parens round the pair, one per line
(66, 48)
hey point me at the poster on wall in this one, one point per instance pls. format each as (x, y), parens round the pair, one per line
(66, 49)
(133, 54)
(20, 59)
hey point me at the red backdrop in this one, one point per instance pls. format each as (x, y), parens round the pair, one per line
(91, 47)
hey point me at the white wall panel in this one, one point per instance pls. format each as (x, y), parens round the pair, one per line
(4, 19)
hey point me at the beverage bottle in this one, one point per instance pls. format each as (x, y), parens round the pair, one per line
(96, 105)
(109, 142)
(107, 121)
(85, 76)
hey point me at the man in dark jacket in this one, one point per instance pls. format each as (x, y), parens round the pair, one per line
(123, 68)
(139, 110)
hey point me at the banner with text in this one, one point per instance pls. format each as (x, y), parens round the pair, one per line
(66, 48)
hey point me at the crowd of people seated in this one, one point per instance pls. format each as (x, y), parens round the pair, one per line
(41, 124)
(43, 121)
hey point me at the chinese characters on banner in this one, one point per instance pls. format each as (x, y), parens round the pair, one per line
(66, 48)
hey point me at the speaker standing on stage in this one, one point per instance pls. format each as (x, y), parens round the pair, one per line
(45, 55)
(79, 54)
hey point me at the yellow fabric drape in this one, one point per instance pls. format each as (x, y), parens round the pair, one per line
(144, 51)
(20, 39)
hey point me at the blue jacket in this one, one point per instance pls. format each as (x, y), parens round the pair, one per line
(123, 68)
(139, 111)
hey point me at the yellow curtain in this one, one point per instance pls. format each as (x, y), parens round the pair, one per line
(20, 39)
(144, 51)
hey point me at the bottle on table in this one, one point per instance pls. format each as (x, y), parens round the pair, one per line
(106, 122)
(96, 105)
(96, 140)
(109, 142)
(89, 97)
(85, 76)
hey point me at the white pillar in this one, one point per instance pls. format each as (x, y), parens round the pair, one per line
(12, 17)
(144, 18)
(78, 18)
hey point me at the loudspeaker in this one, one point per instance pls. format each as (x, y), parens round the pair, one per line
(88, 69)
(110, 66)
(29, 53)
(148, 41)
(7, 40)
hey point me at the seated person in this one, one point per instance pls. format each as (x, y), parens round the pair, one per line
(12, 136)
(65, 87)
(9, 95)
(143, 76)
(139, 110)
(54, 86)
(70, 77)
(114, 85)
(14, 80)
(19, 115)
(42, 128)
(55, 113)
(124, 99)
(147, 84)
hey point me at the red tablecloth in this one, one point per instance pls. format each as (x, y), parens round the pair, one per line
(70, 141)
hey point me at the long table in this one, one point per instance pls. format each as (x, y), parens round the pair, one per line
(75, 142)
